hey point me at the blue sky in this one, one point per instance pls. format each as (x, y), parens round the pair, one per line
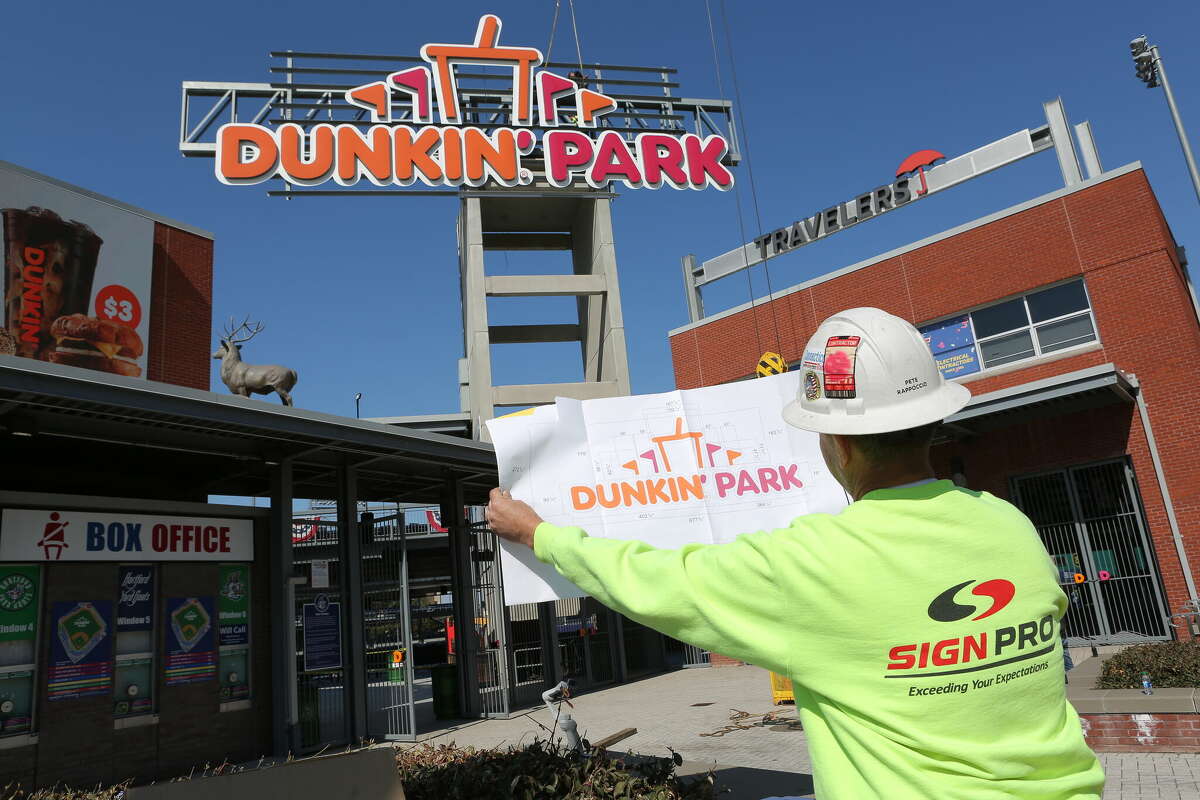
(358, 299)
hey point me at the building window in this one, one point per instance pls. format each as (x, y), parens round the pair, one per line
(133, 689)
(233, 614)
(20, 611)
(1046, 321)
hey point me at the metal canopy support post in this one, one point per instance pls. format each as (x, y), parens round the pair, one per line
(466, 643)
(283, 661)
(350, 555)
(1064, 146)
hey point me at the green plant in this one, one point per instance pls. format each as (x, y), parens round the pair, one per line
(541, 771)
(1170, 664)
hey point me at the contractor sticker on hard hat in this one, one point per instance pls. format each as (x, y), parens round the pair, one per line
(839, 366)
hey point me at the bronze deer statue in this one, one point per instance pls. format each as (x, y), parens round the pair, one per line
(246, 379)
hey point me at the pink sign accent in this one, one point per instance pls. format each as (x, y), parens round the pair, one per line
(415, 81)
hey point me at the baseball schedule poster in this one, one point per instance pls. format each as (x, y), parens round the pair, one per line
(80, 650)
(191, 641)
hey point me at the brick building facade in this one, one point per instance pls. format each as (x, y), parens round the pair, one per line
(181, 307)
(1059, 427)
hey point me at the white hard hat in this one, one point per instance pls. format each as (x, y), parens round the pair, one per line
(867, 371)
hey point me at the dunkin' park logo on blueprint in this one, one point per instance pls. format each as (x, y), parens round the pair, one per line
(404, 145)
(680, 467)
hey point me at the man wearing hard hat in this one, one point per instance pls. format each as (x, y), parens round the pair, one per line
(920, 626)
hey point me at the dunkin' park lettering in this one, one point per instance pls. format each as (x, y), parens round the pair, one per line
(690, 446)
(457, 154)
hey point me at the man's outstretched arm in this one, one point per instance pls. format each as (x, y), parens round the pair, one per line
(722, 598)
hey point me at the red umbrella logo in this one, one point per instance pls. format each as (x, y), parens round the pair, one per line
(918, 161)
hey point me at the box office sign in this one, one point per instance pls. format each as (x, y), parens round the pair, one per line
(51, 535)
(77, 277)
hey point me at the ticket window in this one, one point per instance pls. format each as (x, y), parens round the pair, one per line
(234, 617)
(133, 673)
(20, 607)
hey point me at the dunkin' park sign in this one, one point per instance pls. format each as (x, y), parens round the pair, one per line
(450, 152)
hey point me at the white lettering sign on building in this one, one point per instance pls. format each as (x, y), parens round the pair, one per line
(51, 535)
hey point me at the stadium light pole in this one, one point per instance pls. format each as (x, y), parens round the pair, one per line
(1149, 66)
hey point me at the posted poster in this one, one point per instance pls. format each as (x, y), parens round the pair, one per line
(19, 602)
(693, 466)
(191, 641)
(77, 277)
(953, 346)
(322, 634)
(233, 605)
(135, 608)
(80, 650)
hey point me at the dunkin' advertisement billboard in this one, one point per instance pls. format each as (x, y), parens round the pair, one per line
(76, 277)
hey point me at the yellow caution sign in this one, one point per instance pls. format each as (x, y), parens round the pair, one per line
(397, 658)
(771, 364)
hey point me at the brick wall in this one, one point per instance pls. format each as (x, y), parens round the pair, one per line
(1143, 733)
(180, 308)
(1112, 233)
(77, 744)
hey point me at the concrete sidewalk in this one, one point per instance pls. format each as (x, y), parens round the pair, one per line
(674, 709)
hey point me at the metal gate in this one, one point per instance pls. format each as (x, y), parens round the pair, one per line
(1091, 521)
(492, 667)
(320, 690)
(321, 694)
(387, 629)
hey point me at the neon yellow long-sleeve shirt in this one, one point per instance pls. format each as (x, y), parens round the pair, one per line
(919, 626)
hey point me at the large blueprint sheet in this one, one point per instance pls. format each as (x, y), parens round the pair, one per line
(691, 466)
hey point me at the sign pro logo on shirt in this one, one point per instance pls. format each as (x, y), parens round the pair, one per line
(945, 609)
(978, 649)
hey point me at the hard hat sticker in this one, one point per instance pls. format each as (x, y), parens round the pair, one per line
(840, 353)
(812, 385)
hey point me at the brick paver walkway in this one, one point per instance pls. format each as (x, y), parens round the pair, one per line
(672, 710)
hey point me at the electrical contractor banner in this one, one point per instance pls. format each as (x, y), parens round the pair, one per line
(684, 467)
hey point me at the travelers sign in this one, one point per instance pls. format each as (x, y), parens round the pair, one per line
(49, 535)
(455, 152)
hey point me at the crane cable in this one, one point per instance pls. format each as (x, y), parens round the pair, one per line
(575, 28)
(737, 193)
(553, 28)
(741, 112)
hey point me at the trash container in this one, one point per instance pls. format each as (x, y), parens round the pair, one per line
(445, 691)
